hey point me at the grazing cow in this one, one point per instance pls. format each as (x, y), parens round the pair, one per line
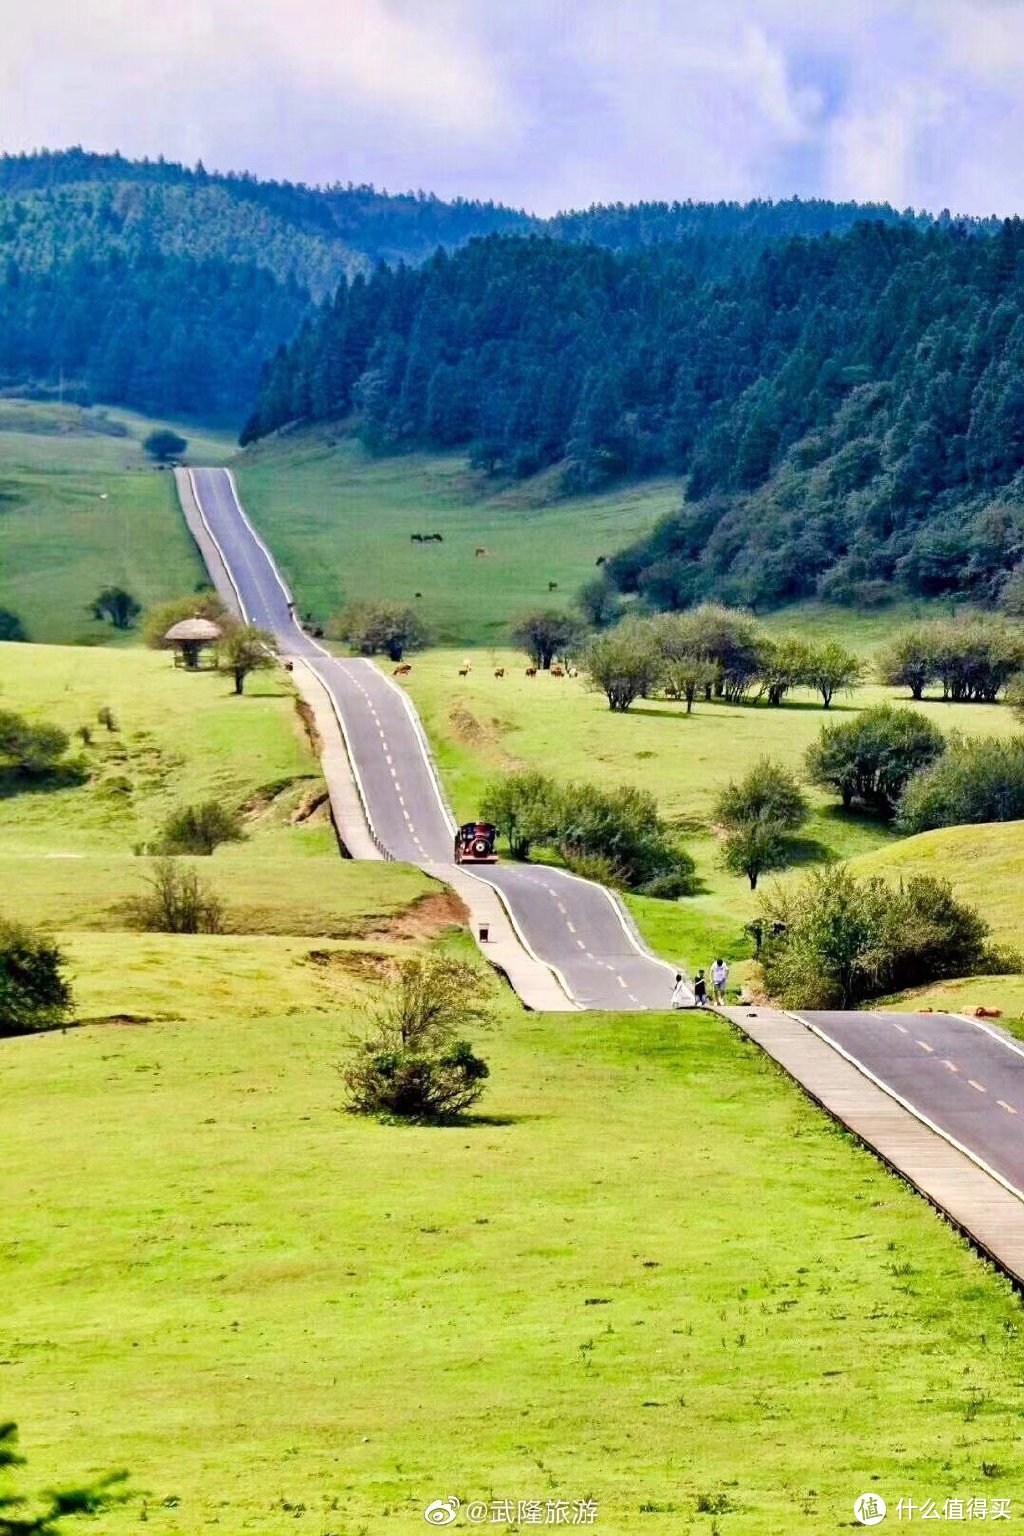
(552, 586)
(500, 672)
(574, 672)
(464, 671)
(416, 538)
(531, 671)
(289, 666)
(987, 1013)
(417, 594)
(403, 670)
(557, 671)
(435, 538)
(480, 550)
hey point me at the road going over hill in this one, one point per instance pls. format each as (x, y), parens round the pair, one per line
(576, 927)
(962, 1076)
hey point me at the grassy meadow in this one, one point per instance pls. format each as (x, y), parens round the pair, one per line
(339, 520)
(81, 508)
(279, 1317)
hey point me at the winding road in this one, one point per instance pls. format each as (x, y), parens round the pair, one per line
(575, 927)
(961, 1078)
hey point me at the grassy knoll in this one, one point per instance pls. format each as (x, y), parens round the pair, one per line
(481, 725)
(66, 853)
(81, 507)
(276, 1314)
(339, 522)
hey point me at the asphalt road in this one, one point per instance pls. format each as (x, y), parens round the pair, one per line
(576, 927)
(966, 1078)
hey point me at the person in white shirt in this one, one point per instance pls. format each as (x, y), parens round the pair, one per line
(719, 977)
(680, 997)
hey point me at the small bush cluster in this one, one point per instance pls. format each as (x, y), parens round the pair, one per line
(616, 836)
(413, 1065)
(374, 628)
(199, 829)
(34, 991)
(833, 940)
(176, 900)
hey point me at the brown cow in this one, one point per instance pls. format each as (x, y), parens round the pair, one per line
(500, 672)
(464, 671)
(557, 671)
(552, 586)
(480, 550)
(403, 670)
(531, 671)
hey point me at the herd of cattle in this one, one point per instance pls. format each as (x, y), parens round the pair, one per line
(404, 668)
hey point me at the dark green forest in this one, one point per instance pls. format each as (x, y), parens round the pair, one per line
(847, 414)
(140, 251)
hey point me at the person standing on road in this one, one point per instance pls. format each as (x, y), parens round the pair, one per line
(719, 977)
(679, 995)
(700, 990)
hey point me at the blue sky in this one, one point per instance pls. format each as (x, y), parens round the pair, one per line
(543, 103)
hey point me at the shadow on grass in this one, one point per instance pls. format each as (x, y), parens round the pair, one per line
(67, 776)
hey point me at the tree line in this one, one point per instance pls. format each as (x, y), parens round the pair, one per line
(846, 414)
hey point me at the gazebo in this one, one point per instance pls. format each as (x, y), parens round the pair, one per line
(188, 637)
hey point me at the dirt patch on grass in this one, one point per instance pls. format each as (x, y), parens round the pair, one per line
(426, 918)
(363, 965)
(482, 735)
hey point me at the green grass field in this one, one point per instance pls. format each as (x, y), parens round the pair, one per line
(339, 522)
(280, 1318)
(481, 726)
(81, 508)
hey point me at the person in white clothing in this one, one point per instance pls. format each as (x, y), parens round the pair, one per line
(719, 977)
(679, 993)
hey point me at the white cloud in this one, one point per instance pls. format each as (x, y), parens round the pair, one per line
(547, 102)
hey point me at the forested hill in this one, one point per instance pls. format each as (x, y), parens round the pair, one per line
(147, 284)
(848, 413)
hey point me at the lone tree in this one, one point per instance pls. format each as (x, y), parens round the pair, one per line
(371, 628)
(623, 664)
(524, 806)
(244, 650)
(544, 633)
(413, 1065)
(34, 992)
(51, 1510)
(11, 627)
(759, 814)
(117, 605)
(833, 669)
(163, 445)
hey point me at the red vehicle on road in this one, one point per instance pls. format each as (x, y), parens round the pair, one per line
(474, 843)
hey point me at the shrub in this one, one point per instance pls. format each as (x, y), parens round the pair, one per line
(372, 628)
(599, 603)
(34, 992)
(972, 659)
(732, 641)
(833, 941)
(1015, 695)
(622, 828)
(910, 659)
(199, 829)
(176, 901)
(623, 664)
(524, 807)
(873, 757)
(973, 781)
(670, 887)
(11, 627)
(413, 1064)
(29, 750)
(105, 716)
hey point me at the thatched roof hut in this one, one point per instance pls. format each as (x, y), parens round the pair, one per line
(189, 636)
